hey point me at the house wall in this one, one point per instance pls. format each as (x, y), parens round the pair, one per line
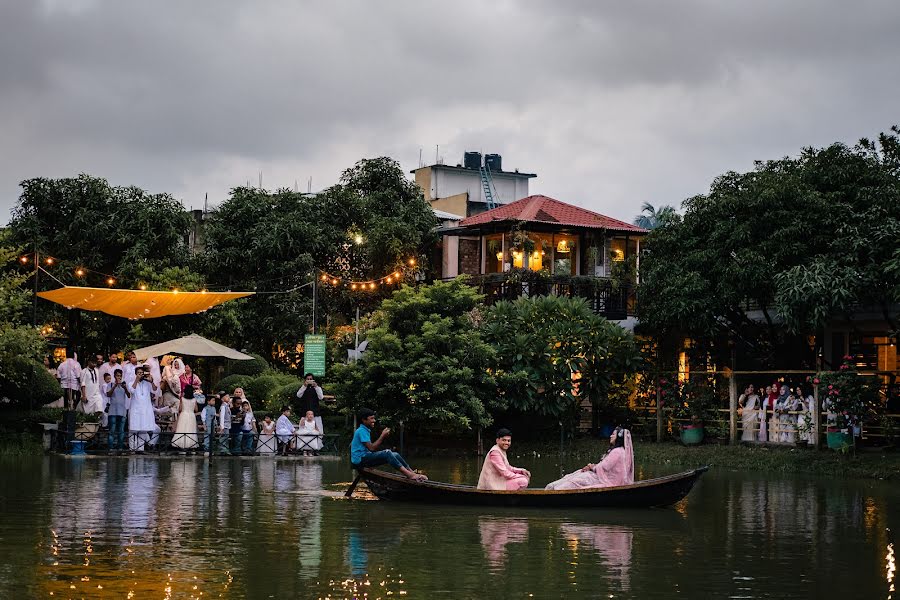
(469, 256)
(450, 259)
(444, 183)
(456, 204)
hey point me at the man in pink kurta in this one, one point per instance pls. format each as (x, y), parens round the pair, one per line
(497, 473)
(616, 468)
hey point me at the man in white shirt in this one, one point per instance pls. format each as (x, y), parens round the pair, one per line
(110, 367)
(128, 369)
(92, 399)
(69, 374)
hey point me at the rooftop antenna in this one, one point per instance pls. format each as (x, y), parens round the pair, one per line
(205, 203)
(309, 185)
(260, 179)
(437, 149)
(420, 158)
(295, 186)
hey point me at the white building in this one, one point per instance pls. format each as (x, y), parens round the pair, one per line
(459, 189)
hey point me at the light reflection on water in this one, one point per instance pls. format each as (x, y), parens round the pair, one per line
(185, 528)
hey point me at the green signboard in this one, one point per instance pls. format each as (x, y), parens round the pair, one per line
(314, 354)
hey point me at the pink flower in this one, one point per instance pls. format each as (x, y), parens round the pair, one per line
(830, 387)
(816, 381)
(844, 367)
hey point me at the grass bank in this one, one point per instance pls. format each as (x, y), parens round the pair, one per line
(868, 464)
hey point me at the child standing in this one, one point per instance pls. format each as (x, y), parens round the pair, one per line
(208, 418)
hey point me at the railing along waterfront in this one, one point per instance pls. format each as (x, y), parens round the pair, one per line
(882, 428)
(217, 444)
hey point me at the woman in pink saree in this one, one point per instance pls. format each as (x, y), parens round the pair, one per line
(615, 468)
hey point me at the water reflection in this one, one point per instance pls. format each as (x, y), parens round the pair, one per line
(496, 534)
(612, 543)
(259, 528)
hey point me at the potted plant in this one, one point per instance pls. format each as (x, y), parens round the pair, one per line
(848, 398)
(693, 403)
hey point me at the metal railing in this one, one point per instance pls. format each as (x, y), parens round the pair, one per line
(218, 443)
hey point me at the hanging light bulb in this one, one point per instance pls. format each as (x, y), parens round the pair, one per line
(352, 286)
(110, 281)
(324, 277)
(49, 260)
(371, 286)
(174, 290)
(23, 260)
(79, 272)
(412, 262)
(143, 287)
(334, 282)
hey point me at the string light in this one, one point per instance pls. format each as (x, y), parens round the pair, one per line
(23, 260)
(110, 281)
(143, 287)
(79, 272)
(49, 260)
(393, 277)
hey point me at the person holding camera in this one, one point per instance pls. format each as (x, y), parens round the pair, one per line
(119, 394)
(141, 418)
(310, 395)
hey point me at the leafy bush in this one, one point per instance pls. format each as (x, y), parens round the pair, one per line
(285, 394)
(29, 382)
(254, 367)
(259, 388)
(228, 384)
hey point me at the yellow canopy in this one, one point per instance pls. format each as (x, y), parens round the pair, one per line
(138, 304)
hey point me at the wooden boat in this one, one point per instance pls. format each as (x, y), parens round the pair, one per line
(660, 491)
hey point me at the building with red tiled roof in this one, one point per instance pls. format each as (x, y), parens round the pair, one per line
(554, 244)
(543, 209)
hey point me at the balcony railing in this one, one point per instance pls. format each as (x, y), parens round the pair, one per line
(613, 302)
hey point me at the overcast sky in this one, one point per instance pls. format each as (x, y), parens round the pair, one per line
(611, 103)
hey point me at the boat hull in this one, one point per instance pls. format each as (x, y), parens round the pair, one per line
(662, 491)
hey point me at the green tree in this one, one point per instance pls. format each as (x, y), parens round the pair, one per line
(545, 343)
(21, 346)
(367, 226)
(426, 363)
(796, 240)
(85, 223)
(651, 217)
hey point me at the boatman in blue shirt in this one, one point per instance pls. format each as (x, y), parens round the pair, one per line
(365, 453)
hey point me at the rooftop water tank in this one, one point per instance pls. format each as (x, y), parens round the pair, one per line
(493, 162)
(472, 160)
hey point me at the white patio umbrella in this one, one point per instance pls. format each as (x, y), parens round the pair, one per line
(190, 345)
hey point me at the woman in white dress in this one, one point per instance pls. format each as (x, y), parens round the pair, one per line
(186, 427)
(749, 403)
(308, 434)
(170, 384)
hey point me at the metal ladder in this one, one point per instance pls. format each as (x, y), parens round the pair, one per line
(490, 190)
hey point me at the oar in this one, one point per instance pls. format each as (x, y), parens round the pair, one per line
(353, 485)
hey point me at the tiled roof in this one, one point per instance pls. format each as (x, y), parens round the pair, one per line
(541, 209)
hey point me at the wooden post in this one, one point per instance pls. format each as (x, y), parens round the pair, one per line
(816, 417)
(732, 408)
(659, 414)
(479, 445)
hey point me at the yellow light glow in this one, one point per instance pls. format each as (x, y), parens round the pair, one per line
(499, 256)
(358, 239)
(79, 272)
(334, 282)
(389, 279)
(371, 286)
(143, 287)
(324, 277)
(412, 262)
(110, 281)
(49, 260)
(174, 290)
(23, 260)
(563, 246)
(352, 286)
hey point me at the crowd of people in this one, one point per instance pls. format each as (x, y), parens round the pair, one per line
(782, 414)
(162, 402)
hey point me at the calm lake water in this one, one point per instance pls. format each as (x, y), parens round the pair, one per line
(263, 528)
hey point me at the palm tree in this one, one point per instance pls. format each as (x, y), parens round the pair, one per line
(651, 218)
